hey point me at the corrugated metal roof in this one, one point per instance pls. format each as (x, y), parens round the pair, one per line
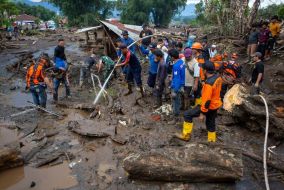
(25, 17)
(118, 27)
(87, 29)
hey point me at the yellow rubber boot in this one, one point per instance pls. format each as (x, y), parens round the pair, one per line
(186, 131)
(211, 136)
(197, 101)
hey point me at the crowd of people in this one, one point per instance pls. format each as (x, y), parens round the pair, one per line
(195, 73)
(262, 37)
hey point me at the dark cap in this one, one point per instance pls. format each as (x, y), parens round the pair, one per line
(124, 33)
(257, 54)
(209, 66)
(174, 53)
(123, 46)
(144, 25)
(153, 45)
(158, 53)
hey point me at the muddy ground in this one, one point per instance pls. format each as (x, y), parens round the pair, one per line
(96, 163)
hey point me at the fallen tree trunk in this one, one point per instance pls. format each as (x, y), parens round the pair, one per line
(249, 111)
(194, 163)
(10, 158)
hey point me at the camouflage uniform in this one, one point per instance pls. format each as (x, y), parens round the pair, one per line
(108, 66)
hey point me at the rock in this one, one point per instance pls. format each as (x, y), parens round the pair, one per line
(10, 158)
(194, 163)
(85, 130)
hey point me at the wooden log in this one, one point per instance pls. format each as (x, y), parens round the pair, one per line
(10, 158)
(194, 163)
(274, 164)
(249, 110)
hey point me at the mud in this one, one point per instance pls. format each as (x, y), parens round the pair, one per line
(57, 177)
(97, 162)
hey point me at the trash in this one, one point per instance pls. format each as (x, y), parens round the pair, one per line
(164, 109)
(156, 117)
(122, 122)
(72, 164)
(33, 184)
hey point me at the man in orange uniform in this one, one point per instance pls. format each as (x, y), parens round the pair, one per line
(37, 81)
(230, 71)
(211, 101)
(197, 54)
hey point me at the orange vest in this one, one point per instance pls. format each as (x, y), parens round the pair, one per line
(35, 74)
(201, 61)
(211, 93)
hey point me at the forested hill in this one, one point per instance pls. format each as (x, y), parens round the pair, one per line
(44, 4)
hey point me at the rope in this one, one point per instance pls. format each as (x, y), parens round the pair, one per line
(106, 81)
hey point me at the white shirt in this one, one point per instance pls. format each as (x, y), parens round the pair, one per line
(194, 68)
(212, 53)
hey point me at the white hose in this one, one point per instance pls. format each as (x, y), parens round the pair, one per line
(265, 144)
(106, 81)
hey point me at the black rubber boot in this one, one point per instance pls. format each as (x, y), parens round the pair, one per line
(129, 90)
(142, 91)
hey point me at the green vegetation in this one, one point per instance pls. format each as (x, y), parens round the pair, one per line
(8, 8)
(141, 11)
(271, 10)
(84, 13)
(37, 11)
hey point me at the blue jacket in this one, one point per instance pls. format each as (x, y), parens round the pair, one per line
(153, 65)
(178, 76)
(127, 42)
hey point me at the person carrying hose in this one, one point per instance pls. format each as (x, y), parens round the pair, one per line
(211, 102)
(133, 71)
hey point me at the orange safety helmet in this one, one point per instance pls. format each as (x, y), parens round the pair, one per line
(234, 55)
(197, 46)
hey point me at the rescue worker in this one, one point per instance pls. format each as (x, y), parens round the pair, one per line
(106, 64)
(211, 102)
(37, 81)
(86, 67)
(61, 68)
(257, 73)
(161, 76)
(133, 71)
(145, 32)
(153, 67)
(197, 54)
(230, 72)
(177, 83)
(213, 51)
(192, 87)
(274, 28)
(128, 41)
(205, 51)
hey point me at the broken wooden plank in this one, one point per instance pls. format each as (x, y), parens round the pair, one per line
(194, 163)
(10, 158)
